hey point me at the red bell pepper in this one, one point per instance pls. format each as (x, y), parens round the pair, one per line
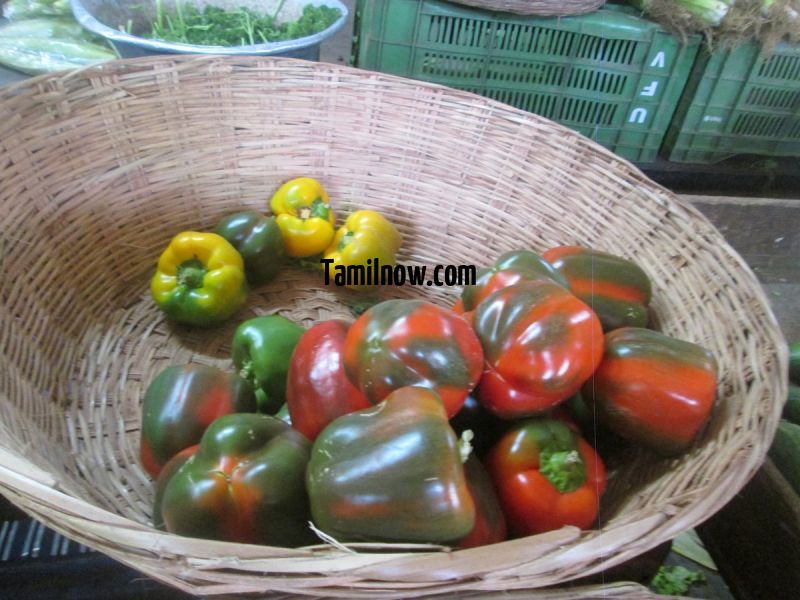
(317, 389)
(547, 477)
(541, 344)
(653, 389)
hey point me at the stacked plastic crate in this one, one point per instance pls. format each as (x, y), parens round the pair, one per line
(611, 75)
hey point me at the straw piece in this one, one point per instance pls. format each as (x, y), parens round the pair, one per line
(102, 166)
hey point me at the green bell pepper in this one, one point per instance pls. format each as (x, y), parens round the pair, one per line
(260, 242)
(245, 483)
(262, 350)
(391, 473)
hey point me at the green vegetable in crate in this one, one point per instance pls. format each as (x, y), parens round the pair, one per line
(42, 45)
(706, 12)
(260, 242)
(199, 279)
(262, 351)
(391, 473)
(245, 483)
(785, 452)
(28, 9)
(617, 289)
(180, 403)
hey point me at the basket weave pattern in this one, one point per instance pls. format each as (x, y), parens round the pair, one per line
(101, 167)
(543, 8)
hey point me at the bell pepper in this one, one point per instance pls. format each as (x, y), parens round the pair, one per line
(262, 350)
(512, 267)
(245, 483)
(366, 239)
(541, 344)
(490, 523)
(653, 389)
(317, 389)
(199, 280)
(391, 473)
(485, 426)
(546, 477)
(259, 241)
(180, 403)
(617, 289)
(397, 343)
(304, 215)
(172, 467)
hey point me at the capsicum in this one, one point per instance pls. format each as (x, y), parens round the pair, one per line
(262, 350)
(200, 279)
(490, 522)
(391, 472)
(317, 388)
(541, 344)
(512, 267)
(180, 403)
(304, 215)
(653, 389)
(397, 343)
(546, 476)
(617, 289)
(366, 239)
(245, 483)
(259, 241)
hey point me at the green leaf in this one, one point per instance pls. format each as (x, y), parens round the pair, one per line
(688, 545)
(675, 580)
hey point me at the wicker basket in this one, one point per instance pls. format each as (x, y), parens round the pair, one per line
(542, 8)
(99, 169)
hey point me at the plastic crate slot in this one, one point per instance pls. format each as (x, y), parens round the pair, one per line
(773, 97)
(458, 31)
(783, 67)
(587, 112)
(794, 132)
(607, 50)
(593, 80)
(758, 125)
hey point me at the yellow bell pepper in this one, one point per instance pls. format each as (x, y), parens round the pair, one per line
(200, 279)
(304, 216)
(365, 235)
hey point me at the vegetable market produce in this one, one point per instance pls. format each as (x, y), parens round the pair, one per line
(173, 466)
(512, 267)
(245, 483)
(260, 242)
(391, 472)
(262, 350)
(199, 280)
(45, 44)
(541, 343)
(367, 238)
(617, 289)
(398, 343)
(490, 523)
(785, 452)
(485, 426)
(547, 476)
(215, 26)
(180, 403)
(317, 388)
(304, 215)
(708, 12)
(27, 9)
(653, 389)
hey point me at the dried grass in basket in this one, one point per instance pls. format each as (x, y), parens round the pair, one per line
(99, 169)
(543, 8)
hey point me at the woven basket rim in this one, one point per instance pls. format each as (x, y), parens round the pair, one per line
(34, 491)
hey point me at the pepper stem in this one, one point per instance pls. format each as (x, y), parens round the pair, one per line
(565, 469)
(191, 273)
(464, 445)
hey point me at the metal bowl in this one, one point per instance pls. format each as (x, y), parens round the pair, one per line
(105, 17)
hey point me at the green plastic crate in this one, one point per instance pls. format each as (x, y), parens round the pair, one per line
(610, 75)
(738, 102)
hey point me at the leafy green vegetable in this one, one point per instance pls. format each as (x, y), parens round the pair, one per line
(25, 9)
(675, 580)
(214, 26)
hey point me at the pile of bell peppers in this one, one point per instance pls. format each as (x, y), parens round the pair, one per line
(415, 423)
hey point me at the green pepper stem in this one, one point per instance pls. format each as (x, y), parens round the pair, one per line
(464, 445)
(191, 273)
(565, 469)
